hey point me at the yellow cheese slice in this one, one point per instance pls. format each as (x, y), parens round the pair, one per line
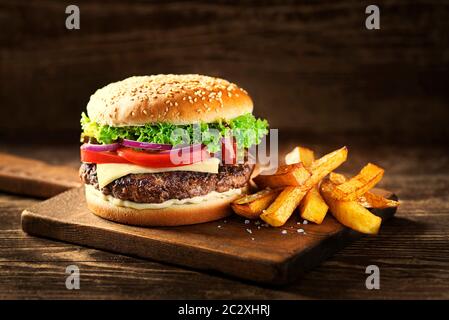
(108, 172)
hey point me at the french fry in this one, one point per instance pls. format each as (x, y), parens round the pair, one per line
(337, 178)
(306, 156)
(350, 213)
(300, 154)
(325, 165)
(251, 206)
(282, 208)
(292, 157)
(313, 207)
(355, 187)
(369, 199)
(372, 200)
(286, 175)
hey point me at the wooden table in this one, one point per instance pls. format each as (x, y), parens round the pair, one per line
(412, 250)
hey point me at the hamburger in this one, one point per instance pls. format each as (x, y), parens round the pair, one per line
(167, 150)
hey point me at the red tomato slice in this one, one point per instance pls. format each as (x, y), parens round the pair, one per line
(101, 157)
(228, 152)
(173, 158)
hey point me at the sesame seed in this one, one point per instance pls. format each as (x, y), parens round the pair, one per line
(165, 87)
(218, 226)
(298, 222)
(252, 239)
(305, 222)
(284, 232)
(300, 230)
(249, 231)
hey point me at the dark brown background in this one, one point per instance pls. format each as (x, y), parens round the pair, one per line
(311, 66)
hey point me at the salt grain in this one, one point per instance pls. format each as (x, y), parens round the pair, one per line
(246, 221)
(305, 222)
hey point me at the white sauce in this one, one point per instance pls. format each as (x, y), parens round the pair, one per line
(172, 202)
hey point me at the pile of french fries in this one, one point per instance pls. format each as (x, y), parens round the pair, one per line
(310, 185)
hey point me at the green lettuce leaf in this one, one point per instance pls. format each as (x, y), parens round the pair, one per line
(246, 129)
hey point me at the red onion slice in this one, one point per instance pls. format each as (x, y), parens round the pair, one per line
(185, 148)
(100, 147)
(145, 145)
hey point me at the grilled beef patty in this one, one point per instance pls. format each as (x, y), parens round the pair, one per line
(160, 187)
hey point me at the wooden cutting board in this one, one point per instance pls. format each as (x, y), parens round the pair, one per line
(230, 246)
(35, 178)
(248, 251)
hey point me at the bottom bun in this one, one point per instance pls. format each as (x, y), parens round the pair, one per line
(175, 215)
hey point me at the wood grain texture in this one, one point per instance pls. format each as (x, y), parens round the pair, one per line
(262, 254)
(310, 66)
(35, 178)
(411, 249)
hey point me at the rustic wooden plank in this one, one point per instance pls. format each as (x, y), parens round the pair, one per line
(35, 178)
(111, 280)
(411, 250)
(262, 255)
(15, 245)
(412, 255)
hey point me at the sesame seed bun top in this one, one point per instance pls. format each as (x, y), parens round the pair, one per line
(176, 99)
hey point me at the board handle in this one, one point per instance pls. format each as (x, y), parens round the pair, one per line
(26, 176)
